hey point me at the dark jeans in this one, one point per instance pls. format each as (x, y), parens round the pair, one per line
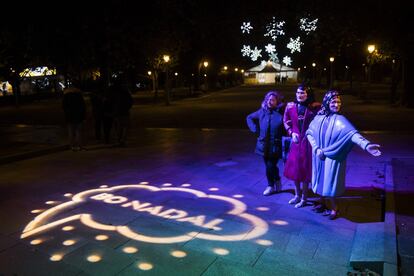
(272, 170)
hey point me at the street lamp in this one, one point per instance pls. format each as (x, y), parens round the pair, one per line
(225, 68)
(166, 59)
(201, 64)
(371, 49)
(313, 71)
(331, 60)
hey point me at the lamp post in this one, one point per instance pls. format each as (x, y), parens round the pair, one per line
(205, 64)
(313, 71)
(166, 59)
(331, 80)
(225, 68)
(371, 49)
(200, 65)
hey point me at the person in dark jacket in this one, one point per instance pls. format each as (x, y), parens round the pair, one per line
(97, 104)
(267, 124)
(122, 104)
(75, 113)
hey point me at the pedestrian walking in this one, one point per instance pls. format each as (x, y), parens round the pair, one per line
(332, 137)
(75, 113)
(298, 167)
(122, 104)
(267, 124)
(97, 104)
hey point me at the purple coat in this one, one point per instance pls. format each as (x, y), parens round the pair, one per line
(298, 165)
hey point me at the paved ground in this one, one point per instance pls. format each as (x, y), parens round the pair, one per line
(186, 201)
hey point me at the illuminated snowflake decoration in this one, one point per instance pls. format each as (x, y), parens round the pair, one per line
(246, 27)
(273, 57)
(255, 54)
(287, 61)
(308, 25)
(269, 48)
(275, 29)
(294, 45)
(246, 51)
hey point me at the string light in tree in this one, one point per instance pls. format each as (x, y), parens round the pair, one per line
(246, 27)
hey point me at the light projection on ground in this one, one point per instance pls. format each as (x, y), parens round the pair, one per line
(139, 200)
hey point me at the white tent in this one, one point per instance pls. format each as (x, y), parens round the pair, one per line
(270, 72)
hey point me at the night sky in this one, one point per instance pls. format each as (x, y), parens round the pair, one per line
(122, 34)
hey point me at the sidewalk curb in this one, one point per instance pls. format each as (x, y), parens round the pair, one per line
(375, 244)
(31, 154)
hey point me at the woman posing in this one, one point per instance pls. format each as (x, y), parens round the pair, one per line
(298, 167)
(267, 124)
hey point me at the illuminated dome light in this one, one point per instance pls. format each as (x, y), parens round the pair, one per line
(68, 195)
(101, 237)
(130, 249)
(186, 185)
(264, 242)
(56, 257)
(280, 222)
(178, 254)
(262, 208)
(213, 189)
(238, 196)
(103, 186)
(94, 258)
(37, 211)
(50, 202)
(68, 228)
(166, 185)
(144, 183)
(36, 241)
(221, 251)
(145, 266)
(69, 242)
